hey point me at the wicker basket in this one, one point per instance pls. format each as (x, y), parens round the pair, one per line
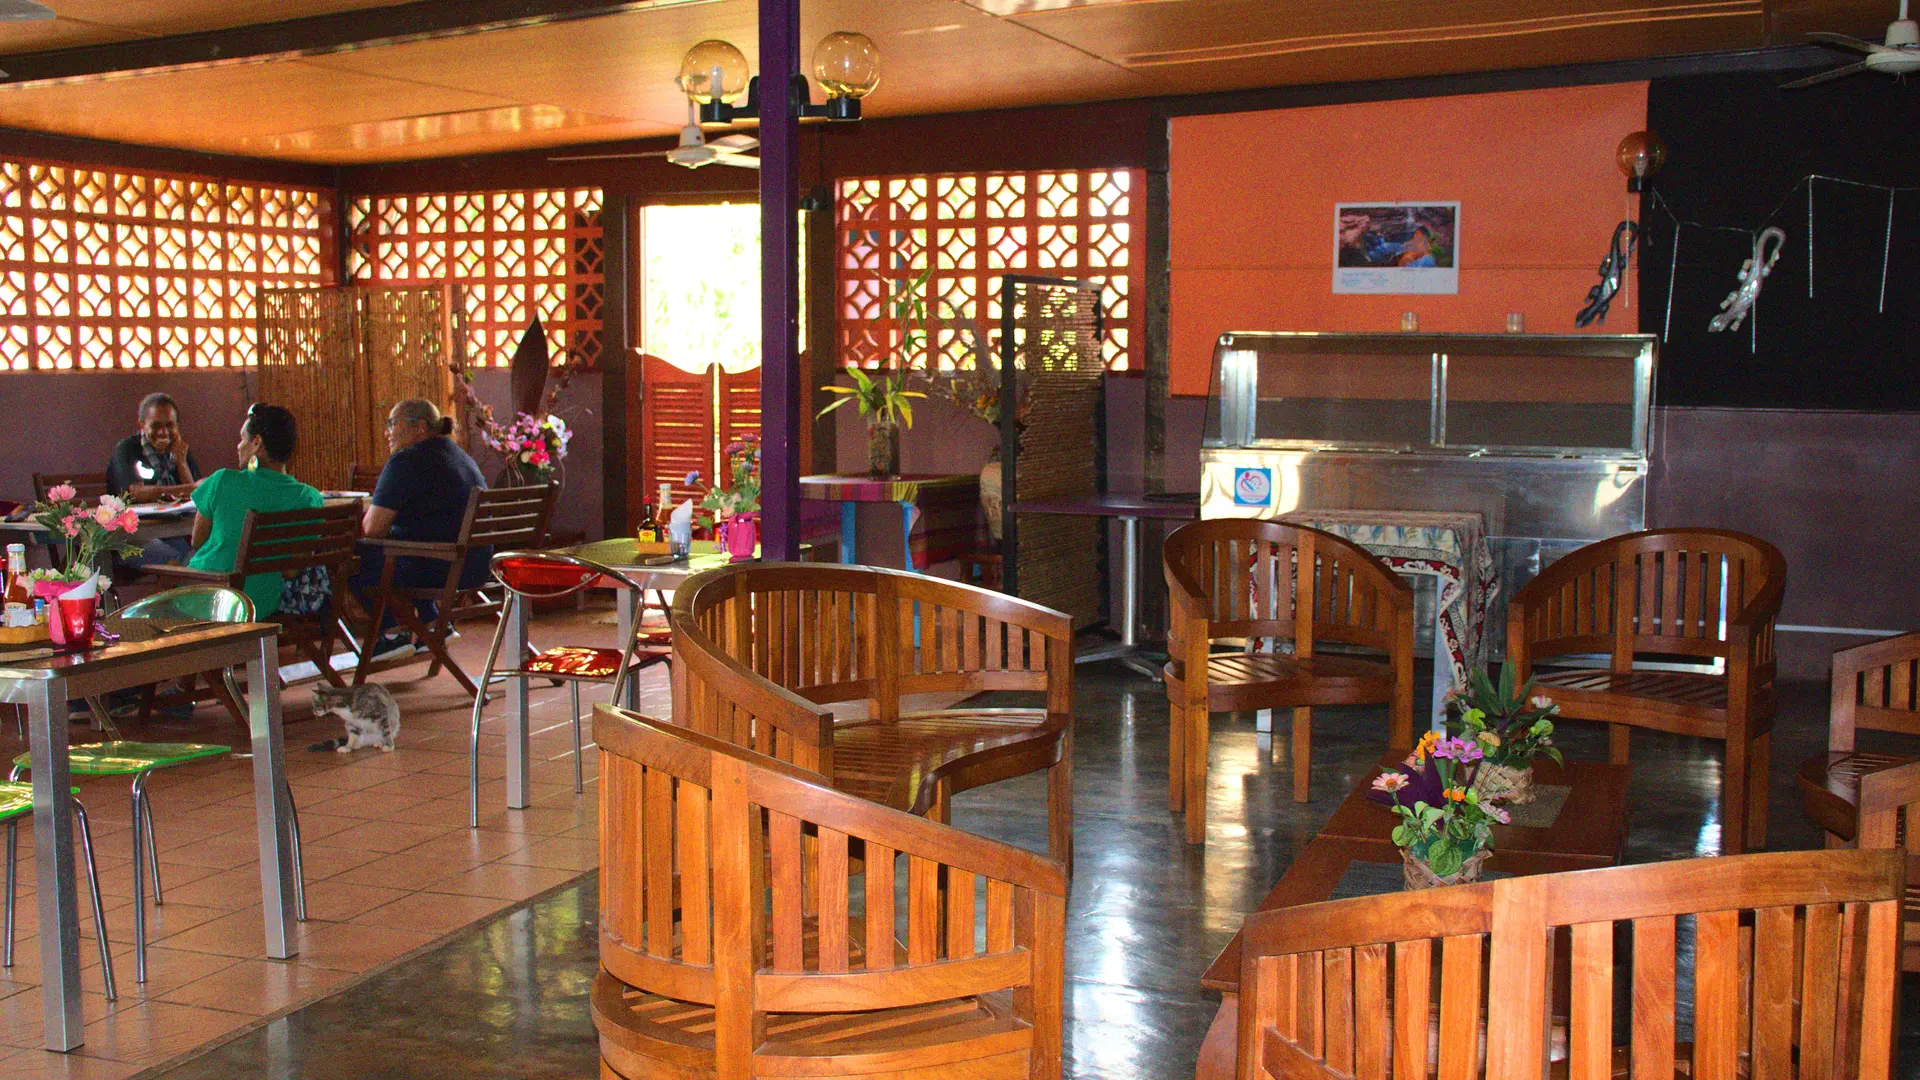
(1504, 783)
(1419, 876)
(25, 635)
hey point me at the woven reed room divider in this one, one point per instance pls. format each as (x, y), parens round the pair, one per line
(340, 356)
(1050, 331)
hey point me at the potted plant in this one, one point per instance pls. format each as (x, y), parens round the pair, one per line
(1512, 725)
(735, 509)
(1445, 832)
(93, 534)
(884, 404)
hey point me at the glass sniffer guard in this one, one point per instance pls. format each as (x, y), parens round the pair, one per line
(1545, 435)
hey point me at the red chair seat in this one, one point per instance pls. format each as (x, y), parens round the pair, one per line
(577, 661)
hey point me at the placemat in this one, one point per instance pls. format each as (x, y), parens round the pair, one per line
(1375, 878)
(1544, 810)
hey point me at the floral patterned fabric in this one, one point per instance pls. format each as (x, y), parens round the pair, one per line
(577, 661)
(1447, 546)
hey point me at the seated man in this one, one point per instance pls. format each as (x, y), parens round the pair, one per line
(422, 495)
(151, 465)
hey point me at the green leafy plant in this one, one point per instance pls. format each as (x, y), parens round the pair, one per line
(1443, 823)
(1512, 724)
(881, 401)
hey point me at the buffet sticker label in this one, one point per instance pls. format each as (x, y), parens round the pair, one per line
(1396, 247)
(1252, 487)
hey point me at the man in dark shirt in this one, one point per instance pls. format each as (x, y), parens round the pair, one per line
(151, 465)
(422, 495)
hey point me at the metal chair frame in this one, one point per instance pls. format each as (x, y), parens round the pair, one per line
(93, 889)
(591, 572)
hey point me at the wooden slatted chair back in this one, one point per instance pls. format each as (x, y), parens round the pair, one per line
(1664, 591)
(363, 477)
(1250, 575)
(833, 634)
(507, 518)
(86, 486)
(735, 880)
(1875, 686)
(1794, 958)
(288, 541)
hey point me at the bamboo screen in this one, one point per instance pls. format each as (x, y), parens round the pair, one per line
(516, 256)
(1050, 331)
(965, 230)
(120, 268)
(340, 358)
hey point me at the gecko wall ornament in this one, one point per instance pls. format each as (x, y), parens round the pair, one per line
(1739, 303)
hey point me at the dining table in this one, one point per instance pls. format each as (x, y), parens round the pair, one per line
(45, 679)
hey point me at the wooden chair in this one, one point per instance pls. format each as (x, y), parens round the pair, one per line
(499, 518)
(287, 542)
(1872, 688)
(86, 485)
(749, 926)
(760, 648)
(1239, 578)
(363, 477)
(1694, 594)
(1794, 961)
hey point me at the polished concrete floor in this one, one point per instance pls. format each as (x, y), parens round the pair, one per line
(1148, 913)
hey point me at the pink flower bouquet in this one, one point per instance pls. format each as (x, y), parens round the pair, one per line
(92, 533)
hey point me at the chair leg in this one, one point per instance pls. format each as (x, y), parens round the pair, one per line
(573, 695)
(299, 871)
(139, 883)
(99, 909)
(1302, 752)
(1619, 739)
(1176, 757)
(1196, 786)
(1060, 806)
(13, 872)
(152, 845)
(1759, 761)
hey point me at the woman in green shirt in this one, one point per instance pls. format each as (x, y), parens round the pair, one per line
(260, 483)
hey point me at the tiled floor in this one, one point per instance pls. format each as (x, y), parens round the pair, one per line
(391, 866)
(508, 1001)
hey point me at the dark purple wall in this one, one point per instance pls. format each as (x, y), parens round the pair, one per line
(69, 421)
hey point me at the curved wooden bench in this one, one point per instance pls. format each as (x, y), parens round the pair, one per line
(749, 926)
(1793, 962)
(759, 650)
(1241, 578)
(1698, 593)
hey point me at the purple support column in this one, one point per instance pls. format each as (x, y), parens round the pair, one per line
(780, 390)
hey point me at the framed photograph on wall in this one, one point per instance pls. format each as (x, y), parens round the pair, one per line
(1396, 247)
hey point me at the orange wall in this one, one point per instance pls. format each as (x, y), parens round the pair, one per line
(1533, 171)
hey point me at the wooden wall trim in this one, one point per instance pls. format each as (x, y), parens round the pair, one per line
(72, 150)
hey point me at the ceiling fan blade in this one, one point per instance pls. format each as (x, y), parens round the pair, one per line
(738, 161)
(610, 157)
(1845, 41)
(735, 143)
(24, 11)
(1825, 76)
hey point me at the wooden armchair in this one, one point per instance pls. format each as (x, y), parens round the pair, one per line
(1872, 688)
(499, 518)
(1794, 961)
(750, 927)
(1692, 594)
(1239, 578)
(363, 477)
(760, 648)
(282, 543)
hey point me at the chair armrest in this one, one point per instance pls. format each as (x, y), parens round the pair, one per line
(445, 552)
(189, 575)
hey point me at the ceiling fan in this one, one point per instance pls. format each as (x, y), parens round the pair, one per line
(1898, 56)
(694, 149)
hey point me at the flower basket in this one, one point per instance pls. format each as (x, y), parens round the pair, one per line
(1419, 876)
(1511, 784)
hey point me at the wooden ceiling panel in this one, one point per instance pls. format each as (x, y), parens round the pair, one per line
(475, 131)
(156, 17)
(214, 109)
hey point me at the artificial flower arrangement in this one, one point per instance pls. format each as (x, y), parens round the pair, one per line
(533, 446)
(92, 533)
(1512, 724)
(1446, 830)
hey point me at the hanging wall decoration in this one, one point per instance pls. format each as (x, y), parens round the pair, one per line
(1753, 273)
(1612, 269)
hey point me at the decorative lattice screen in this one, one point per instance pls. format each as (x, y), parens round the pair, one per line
(968, 229)
(116, 268)
(1051, 333)
(341, 357)
(516, 255)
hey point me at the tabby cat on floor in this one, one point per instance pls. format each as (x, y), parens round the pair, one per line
(369, 711)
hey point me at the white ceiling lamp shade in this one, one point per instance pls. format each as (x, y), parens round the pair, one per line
(24, 11)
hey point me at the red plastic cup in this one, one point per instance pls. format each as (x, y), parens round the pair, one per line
(76, 619)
